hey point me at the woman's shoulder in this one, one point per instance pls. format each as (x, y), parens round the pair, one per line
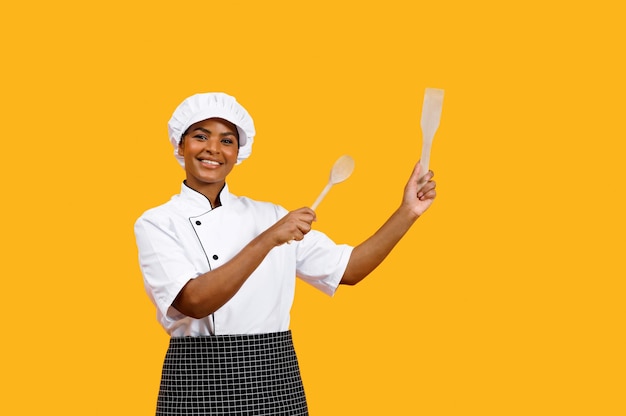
(161, 212)
(247, 203)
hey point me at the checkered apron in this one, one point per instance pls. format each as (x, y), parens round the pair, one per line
(254, 374)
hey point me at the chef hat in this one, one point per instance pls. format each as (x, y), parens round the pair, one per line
(200, 107)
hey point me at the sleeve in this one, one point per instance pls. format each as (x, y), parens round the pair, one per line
(164, 264)
(320, 262)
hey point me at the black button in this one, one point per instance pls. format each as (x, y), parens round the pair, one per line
(215, 257)
(198, 223)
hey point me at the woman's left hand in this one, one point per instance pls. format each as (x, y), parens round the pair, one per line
(419, 192)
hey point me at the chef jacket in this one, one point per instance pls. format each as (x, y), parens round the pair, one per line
(185, 238)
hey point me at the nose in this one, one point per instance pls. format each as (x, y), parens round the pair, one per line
(212, 145)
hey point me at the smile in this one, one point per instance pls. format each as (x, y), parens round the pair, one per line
(209, 162)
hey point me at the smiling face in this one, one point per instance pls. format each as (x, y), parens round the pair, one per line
(210, 148)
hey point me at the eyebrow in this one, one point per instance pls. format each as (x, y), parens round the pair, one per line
(202, 129)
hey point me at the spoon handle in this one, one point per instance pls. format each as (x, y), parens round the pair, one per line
(322, 195)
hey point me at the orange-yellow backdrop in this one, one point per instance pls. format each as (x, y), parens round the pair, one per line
(507, 298)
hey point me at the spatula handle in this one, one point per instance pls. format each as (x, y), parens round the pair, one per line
(427, 143)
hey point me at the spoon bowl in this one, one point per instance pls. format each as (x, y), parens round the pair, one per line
(342, 169)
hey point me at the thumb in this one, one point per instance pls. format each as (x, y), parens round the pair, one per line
(416, 175)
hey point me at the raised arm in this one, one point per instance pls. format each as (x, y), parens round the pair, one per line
(419, 194)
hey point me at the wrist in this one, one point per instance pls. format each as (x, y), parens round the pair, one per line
(407, 213)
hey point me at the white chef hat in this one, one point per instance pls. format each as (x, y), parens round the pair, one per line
(200, 107)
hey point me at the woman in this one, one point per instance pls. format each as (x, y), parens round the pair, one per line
(221, 270)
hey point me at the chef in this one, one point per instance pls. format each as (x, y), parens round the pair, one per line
(221, 268)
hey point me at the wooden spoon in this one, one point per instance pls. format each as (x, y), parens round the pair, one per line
(342, 169)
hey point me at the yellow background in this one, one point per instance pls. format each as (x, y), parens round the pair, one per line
(507, 298)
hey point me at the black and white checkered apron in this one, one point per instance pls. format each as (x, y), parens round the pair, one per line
(254, 374)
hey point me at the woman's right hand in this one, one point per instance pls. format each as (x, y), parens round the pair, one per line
(293, 226)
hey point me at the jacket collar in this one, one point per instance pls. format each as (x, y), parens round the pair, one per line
(198, 200)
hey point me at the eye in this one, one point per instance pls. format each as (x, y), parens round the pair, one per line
(228, 140)
(200, 137)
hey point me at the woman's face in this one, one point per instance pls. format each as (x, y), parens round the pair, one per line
(210, 148)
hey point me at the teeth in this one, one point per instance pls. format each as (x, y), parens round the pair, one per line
(210, 162)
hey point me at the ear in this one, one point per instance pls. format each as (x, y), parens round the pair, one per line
(181, 148)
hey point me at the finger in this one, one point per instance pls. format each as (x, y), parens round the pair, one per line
(306, 210)
(305, 214)
(297, 236)
(427, 176)
(428, 187)
(304, 227)
(428, 195)
(415, 175)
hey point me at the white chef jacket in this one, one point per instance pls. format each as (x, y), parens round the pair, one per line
(186, 237)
